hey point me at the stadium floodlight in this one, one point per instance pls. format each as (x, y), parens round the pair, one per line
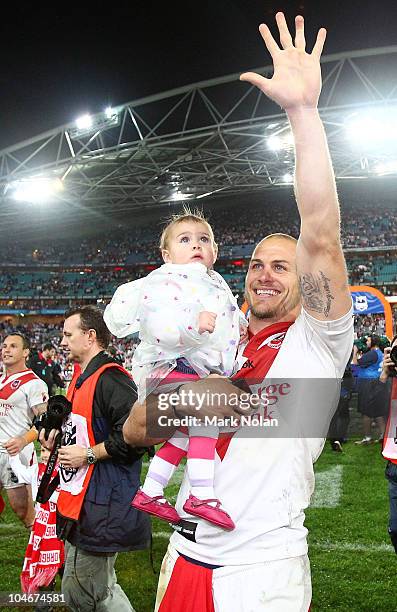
(109, 112)
(274, 143)
(89, 124)
(35, 190)
(373, 127)
(281, 141)
(288, 178)
(84, 122)
(178, 195)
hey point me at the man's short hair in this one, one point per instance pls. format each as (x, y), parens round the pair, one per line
(25, 339)
(91, 318)
(48, 346)
(279, 236)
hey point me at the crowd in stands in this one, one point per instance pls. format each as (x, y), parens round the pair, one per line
(369, 324)
(54, 276)
(40, 333)
(47, 289)
(43, 287)
(361, 228)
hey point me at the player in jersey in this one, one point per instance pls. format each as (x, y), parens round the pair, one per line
(301, 336)
(22, 396)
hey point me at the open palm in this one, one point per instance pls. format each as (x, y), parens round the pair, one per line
(297, 75)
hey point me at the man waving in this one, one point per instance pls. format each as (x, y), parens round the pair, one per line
(301, 335)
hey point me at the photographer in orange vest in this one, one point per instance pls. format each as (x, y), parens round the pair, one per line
(99, 472)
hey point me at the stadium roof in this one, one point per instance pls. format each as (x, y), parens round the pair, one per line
(207, 139)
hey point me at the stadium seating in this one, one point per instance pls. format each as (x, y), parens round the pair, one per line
(43, 276)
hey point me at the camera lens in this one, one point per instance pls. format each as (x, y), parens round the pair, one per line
(393, 355)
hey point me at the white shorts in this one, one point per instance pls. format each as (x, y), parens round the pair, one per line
(277, 586)
(8, 479)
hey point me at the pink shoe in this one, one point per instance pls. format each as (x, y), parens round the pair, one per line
(152, 505)
(213, 514)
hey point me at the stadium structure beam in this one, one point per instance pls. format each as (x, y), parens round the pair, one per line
(201, 140)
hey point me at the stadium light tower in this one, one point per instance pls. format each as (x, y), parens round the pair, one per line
(372, 128)
(89, 124)
(84, 122)
(384, 168)
(178, 196)
(35, 190)
(281, 140)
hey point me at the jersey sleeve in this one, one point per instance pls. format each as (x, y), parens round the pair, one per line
(336, 335)
(38, 392)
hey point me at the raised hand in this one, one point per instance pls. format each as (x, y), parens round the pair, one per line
(296, 81)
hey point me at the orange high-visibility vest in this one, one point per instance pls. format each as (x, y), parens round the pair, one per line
(74, 483)
(390, 438)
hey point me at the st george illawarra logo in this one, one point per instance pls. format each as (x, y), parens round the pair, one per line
(15, 384)
(275, 343)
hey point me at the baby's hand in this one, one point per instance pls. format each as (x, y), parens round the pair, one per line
(206, 322)
(243, 333)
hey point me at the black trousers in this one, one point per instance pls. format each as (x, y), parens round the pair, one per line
(340, 421)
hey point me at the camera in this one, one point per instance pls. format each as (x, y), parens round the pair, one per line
(58, 408)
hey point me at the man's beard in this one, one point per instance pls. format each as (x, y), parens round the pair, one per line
(263, 315)
(275, 312)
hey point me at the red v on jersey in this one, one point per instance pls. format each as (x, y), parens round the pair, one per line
(260, 353)
(12, 386)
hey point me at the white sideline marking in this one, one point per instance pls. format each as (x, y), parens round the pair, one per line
(341, 546)
(353, 547)
(327, 492)
(328, 489)
(163, 534)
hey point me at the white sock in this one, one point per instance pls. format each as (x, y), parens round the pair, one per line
(152, 487)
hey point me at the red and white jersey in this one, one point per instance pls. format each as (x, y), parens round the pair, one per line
(265, 481)
(19, 393)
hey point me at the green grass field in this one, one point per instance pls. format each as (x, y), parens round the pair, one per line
(353, 563)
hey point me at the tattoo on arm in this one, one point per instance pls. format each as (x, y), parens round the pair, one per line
(316, 292)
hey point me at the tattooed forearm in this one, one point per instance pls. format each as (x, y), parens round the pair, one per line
(328, 295)
(316, 292)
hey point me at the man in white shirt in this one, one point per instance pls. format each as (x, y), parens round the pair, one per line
(22, 396)
(301, 335)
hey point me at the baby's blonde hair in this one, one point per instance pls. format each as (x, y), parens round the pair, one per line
(196, 216)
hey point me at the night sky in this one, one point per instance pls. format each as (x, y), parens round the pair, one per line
(59, 62)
